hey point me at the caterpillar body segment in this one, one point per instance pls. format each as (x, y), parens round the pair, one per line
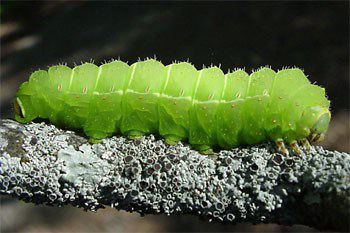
(105, 116)
(230, 115)
(141, 97)
(175, 101)
(205, 101)
(206, 107)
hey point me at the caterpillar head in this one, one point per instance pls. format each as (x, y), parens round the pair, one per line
(316, 119)
(22, 104)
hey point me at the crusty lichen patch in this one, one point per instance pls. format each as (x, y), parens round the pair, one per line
(82, 166)
(11, 139)
(253, 184)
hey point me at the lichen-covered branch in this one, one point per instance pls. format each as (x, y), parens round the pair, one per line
(42, 164)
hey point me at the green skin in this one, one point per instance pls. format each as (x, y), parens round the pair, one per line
(205, 107)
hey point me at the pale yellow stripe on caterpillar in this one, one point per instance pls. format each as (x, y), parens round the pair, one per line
(98, 76)
(196, 86)
(221, 101)
(131, 78)
(166, 80)
(71, 80)
(248, 86)
(161, 95)
(224, 87)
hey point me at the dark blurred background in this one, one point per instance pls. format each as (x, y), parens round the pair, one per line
(311, 35)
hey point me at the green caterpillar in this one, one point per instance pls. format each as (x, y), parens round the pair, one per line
(208, 108)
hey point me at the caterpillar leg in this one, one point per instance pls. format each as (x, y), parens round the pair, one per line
(172, 140)
(305, 144)
(282, 147)
(135, 134)
(96, 136)
(295, 147)
(94, 140)
(205, 149)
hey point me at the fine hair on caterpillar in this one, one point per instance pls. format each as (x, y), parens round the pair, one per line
(205, 107)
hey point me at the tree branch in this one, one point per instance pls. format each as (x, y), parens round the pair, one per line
(42, 164)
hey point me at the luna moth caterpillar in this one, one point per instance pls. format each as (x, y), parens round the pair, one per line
(206, 107)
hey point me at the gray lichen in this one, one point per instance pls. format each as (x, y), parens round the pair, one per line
(254, 184)
(82, 167)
